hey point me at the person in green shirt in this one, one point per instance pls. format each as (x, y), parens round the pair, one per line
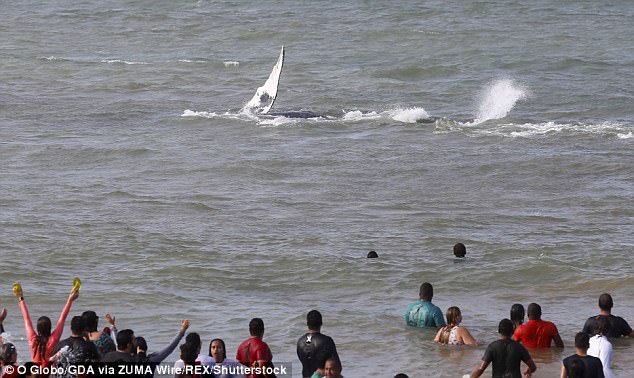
(423, 313)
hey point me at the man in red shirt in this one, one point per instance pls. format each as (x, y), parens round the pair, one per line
(253, 352)
(537, 333)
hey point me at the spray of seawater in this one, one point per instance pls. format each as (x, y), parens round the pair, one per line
(498, 99)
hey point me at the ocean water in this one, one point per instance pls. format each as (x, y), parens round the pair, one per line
(127, 161)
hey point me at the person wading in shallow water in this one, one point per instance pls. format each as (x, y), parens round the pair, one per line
(517, 315)
(618, 325)
(253, 352)
(452, 333)
(537, 333)
(423, 313)
(506, 355)
(314, 348)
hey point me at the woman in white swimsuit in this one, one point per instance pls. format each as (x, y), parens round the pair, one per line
(453, 333)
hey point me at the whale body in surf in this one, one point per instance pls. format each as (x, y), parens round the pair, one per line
(262, 101)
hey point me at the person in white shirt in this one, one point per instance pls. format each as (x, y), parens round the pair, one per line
(601, 347)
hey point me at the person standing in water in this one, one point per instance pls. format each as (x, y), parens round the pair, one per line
(314, 348)
(452, 333)
(618, 325)
(506, 355)
(423, 313)
(517, 315)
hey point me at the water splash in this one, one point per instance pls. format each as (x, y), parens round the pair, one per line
(409, 115)
(499, 99)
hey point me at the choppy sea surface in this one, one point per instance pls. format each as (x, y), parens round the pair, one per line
(126, 160)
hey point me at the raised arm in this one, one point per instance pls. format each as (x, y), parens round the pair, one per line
(113, 328)
(59, 328)
(3, 315)
(158, 357)
(28, 325)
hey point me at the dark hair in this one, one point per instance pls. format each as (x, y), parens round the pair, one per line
(313, 320)
(139, 342)
(517, 314)
(27, 367)
(577, 368)
(91, 320)
(401, 375)
(582, 340)
(605, 302)
(256, 327)
(601, 326)
(43, 333)
(124, 338)
(77, 325)
(188, 354)
(505, 328)
(534, 311)
(372, 255)
(459, 250)
(7, 351)
(426, 291)
(193, 339)
(333, 360)
(224, 348)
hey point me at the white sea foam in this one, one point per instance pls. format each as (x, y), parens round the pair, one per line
(498, 99)
(358, 115)
(528, 130)
(53, 59)
(120, 61)
(231, 63)
(625, 136)
(409, 115)
(278, 121)
(192, 113)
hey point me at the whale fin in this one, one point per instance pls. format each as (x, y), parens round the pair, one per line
(264, 97)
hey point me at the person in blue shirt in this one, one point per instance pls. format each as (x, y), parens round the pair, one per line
(423, 313)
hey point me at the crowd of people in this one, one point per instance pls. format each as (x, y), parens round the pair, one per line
(87, 345)
(593, 349)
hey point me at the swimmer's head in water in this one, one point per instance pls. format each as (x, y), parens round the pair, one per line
(372, 255)
(459, 250)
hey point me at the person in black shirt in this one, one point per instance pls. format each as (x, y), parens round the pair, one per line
(589, 366)
(75, 350)
(314, 348)
(618, 325)
(506, 355)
